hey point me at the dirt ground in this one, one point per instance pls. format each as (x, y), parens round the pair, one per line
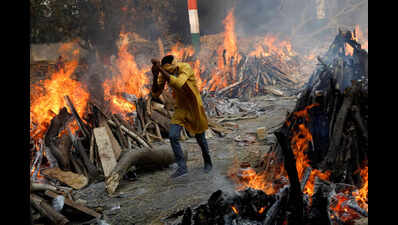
(154, 196)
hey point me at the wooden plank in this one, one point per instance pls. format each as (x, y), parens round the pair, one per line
(69, 178)
(105, 151)
(74, 205)
(117, 150)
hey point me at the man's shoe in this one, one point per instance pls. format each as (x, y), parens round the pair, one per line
(179, 173)
(208, 167)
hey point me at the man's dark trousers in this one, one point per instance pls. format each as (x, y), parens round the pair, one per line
(174, 135)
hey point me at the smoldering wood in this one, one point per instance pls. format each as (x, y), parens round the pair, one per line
(337, 132)
(47, 210)
(275, 208)
(306, 175)
(295, 194)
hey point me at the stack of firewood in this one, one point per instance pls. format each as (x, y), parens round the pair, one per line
(336, 103)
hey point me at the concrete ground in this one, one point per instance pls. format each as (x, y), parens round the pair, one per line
(154, 196)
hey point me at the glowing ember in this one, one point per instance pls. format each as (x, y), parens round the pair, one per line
(361, 196)
(235, 210)
(342, 210)
(261, 210)
(130, 79)
(247, 177)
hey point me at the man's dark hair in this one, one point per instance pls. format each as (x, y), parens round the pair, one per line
(167, 59)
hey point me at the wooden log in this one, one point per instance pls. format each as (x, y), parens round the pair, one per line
(47, 210)
(160, 157)
(79, 121)
(91, 169)
(69, 178)
(337, 132)
(74, 205)
(132, 134)
(59, 151)
(275, 208)
(163, 121)
(73, 159)
(306, 175)
(41, 187)
(295, 195)
(359, 121)
(224, 90)
(105, 151)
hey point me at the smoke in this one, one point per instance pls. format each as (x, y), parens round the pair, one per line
(307, 23)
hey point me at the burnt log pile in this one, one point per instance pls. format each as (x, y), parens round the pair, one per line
(316, 173)
(255, 76)
(330, 117)
(75, 152)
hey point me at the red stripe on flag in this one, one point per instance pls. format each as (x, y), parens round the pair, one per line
(192, 4)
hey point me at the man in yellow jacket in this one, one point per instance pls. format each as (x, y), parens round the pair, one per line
(188, 109)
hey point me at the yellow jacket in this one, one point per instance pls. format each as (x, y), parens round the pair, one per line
(188, 109)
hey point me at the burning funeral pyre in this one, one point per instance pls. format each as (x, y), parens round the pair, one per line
(317, 173)
(78, 138)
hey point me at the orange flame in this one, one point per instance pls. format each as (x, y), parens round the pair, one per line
(261, 210)
(361, 196)
(270, 46)
(181, 52)
(235, 210)
(226, 72)
(130, 79)
(47, 97)
(343, 211)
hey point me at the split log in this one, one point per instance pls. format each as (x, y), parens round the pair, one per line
(91, 169)
(42, 187)
(117, 150)
(47, 210)
(337, 133)
(69, 178)
(59, 150)
(105, 151)
(160, 157)
(74, 205)
(79, 121)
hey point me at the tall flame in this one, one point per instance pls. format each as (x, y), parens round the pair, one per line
(130, 79)
(228, 57)
(47, 97)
